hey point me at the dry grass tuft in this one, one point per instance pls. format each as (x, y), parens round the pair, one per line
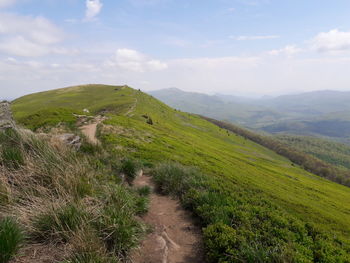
(65, 199)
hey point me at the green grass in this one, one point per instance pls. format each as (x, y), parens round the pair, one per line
(11, 238)
(271, 203)
(59, 223)
(117, 226)
(10, 148)
(144, 190)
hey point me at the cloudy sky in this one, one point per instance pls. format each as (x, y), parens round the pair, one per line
(240, 47)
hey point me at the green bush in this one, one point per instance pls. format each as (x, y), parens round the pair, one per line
(175, 179)
(11, 238)
(221, 243)
(59, 222)
(144, 190)
(130, 167)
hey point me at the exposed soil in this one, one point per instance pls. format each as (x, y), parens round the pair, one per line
(175, 237)
(90, 132)
(132, 108)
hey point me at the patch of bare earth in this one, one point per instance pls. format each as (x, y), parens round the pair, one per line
(175, 238)
(90, 128)
(90, 132)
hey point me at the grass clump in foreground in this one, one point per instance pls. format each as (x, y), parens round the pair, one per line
(11, 239)
(129, 167)
(242, 227)
(65, 197)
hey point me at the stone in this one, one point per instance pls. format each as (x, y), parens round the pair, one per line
(6, 120)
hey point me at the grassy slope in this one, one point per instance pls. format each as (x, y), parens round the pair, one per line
(76, 98)
(229, 160)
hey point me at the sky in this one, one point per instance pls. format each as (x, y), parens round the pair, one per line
(237, 47)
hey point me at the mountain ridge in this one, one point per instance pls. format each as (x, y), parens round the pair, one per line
(276, 115)
(244, 193)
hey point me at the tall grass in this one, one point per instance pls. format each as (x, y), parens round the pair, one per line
(11, 238)
(59, 195)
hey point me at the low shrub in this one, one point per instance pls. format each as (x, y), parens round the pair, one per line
(144, 190)
(220, 242)
(129, 168)
(11, 239)
(175, 179)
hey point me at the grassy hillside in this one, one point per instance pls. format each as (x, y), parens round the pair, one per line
(257, 205)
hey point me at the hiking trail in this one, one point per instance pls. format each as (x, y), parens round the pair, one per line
(90, 132)
(175, 238)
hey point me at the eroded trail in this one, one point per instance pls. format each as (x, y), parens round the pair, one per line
(90, 132)
(175, 238)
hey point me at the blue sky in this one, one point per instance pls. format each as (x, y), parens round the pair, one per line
(241, 47)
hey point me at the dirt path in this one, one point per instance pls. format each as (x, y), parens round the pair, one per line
(175, 237)
(90, 132)
(132, 108)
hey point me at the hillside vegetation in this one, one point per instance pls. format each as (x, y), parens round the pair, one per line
(254, 205)
(62, 205)
(332, 152)
(307, 161)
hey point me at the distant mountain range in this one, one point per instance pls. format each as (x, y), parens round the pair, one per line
(320, 113)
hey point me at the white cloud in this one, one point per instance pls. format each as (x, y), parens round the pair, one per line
(28, 36)
(288, 51)
(6, 3)
(132, 60)
(262, 37)
(234, 75)
(331, 41)
(156, 65)
(93, 8)
(20, 46)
